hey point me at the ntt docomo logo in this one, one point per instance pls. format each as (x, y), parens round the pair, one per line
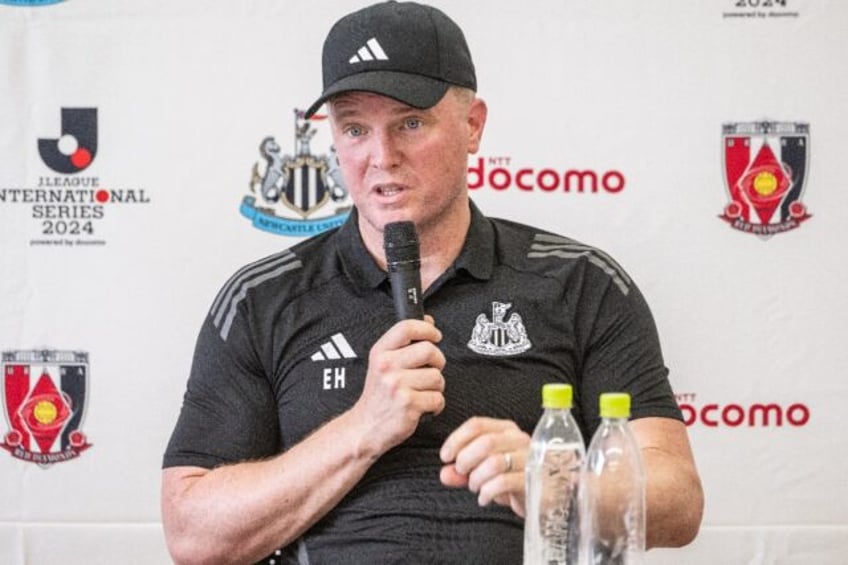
(498, 173)
(756, 415)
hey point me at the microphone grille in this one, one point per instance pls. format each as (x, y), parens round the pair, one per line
(400, 242)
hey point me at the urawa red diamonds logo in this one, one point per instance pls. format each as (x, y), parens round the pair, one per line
(765, 171)
(44, 399)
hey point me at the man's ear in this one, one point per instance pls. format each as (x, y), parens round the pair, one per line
(477, 113)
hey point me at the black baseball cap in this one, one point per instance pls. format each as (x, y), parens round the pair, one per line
(403, 50)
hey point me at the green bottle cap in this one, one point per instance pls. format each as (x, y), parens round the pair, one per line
(556, 395)
(615, 405)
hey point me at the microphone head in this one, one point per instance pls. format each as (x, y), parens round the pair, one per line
(400, 242)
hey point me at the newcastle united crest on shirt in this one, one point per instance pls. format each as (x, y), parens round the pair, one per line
(498, 337)
(44, 395)
(765, 169)
(296, 195)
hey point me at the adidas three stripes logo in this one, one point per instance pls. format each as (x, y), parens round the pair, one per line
(336, 348)
(369, 52)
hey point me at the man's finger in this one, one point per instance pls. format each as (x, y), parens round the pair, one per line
(451, 478)
(408, 331)
(470, 430)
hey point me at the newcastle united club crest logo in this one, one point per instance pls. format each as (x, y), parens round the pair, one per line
(296, 195)
(44, 394)
(498, 337)
(765, 170)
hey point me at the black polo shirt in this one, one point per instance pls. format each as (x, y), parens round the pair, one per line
(285, 349)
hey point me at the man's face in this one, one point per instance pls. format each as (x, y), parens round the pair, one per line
(402, 163)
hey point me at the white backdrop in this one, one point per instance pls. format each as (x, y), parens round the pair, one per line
(634, 93)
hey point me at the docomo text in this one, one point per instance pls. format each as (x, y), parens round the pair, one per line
(497, 173)
(736, 415)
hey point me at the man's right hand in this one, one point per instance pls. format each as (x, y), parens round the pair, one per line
(404, 381)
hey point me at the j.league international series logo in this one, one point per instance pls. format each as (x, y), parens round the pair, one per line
(765, 171)
(44, 399)
(75, 149)
(296, 195)
(69, 201)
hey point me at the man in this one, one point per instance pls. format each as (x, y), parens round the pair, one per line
(315, 429)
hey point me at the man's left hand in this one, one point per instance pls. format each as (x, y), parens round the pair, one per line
(487, 456)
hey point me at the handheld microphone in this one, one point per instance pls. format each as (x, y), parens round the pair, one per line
(403, 260)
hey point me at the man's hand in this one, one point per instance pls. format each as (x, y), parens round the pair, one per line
(487, 456)
(404, 381)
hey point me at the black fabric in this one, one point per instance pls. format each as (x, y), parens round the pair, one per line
(412, 53)
(269, 382)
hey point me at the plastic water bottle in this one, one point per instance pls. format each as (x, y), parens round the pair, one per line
(612, 490)
(551, 475)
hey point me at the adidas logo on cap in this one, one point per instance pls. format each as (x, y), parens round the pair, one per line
(370, 51)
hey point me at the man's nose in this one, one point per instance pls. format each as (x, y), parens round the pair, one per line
(385, 153)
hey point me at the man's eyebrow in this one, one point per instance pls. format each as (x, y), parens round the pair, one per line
(340, 113)
(342, 108)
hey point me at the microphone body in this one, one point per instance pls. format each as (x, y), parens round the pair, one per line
(403, 261)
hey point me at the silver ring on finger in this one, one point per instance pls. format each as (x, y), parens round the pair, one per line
(508, 458)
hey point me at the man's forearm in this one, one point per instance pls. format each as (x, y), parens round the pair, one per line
(243, 512)
(674, 497)
(673, 493)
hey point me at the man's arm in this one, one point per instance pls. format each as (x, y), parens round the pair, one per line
(242, 512)
(475, 459)
(674, 496)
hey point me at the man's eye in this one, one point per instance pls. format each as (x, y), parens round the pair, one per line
(412, 123)
(354, 131)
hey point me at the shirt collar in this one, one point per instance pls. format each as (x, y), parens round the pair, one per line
(355, 259)
(477, 256)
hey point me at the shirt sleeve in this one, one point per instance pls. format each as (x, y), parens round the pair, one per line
(621, 349)
(228, 413)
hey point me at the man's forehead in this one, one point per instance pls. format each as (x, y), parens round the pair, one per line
(359, 101)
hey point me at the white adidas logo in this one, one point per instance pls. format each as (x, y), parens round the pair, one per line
(368, 52)
(336, 348)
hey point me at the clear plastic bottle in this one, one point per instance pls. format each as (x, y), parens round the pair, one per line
(612, 490)
(551, 475)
